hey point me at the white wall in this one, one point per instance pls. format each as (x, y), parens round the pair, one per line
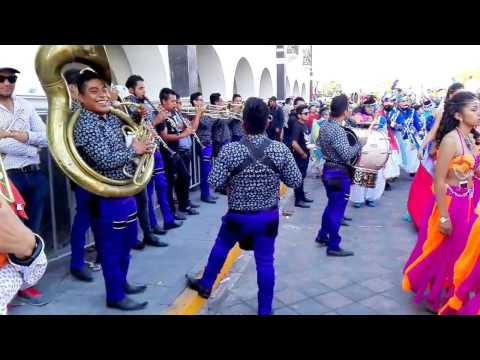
(297, 72)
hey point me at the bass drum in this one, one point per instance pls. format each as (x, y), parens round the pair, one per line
(373, 157)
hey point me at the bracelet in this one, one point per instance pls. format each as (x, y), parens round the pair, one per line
(39, 246)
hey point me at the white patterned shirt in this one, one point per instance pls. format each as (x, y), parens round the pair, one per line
(23, 118)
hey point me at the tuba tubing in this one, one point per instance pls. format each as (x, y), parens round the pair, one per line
(49, 62)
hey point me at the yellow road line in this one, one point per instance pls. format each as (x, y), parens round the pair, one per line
(189, 303)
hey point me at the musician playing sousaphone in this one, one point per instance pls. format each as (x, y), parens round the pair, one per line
(22, 257)
(100, 140)
(338, 154)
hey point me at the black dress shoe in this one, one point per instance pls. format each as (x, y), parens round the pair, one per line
(193, 284)
(85, 274)
(157, 230)
(139, 246)
(321, 241)
(208, 200)
(127, 304)
(344, 223)
(190, 211)
(339, 253)
(347, 218)
(134, 289)
(194, 206)
(388, 187)
(173, 225)
(179, 217)
(301, 204)
(151, 240)
(307, 200)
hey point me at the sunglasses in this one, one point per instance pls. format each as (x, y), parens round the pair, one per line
(305, 113)
(12, 78)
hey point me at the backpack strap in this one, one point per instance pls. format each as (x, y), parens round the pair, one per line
(255, 155)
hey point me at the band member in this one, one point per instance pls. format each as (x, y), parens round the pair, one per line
(221, 133)
(431, 271)
(275, 130)
(236, 124)
(364, 116)
(177, 135)
(204, 133)
(148, 218)
(22, 256)
(251, 169)
(337, 151)
(99, 138)
(298, 132)
(407, 125)
(83, 217)
(22, 135)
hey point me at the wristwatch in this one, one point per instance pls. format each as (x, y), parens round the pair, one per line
(443, 220)
(39, 245)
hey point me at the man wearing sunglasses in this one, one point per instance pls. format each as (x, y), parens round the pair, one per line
(22, 134)
(301, 154)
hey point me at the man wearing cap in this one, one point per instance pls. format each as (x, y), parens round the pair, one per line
(275, 129)
(22, 134)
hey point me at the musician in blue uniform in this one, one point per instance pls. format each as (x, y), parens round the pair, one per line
(251, 169)
(204, 133)
(148, 218)
(99, 139)
(407, 125)
(236, 124)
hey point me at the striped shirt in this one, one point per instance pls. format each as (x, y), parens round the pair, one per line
(23, 118)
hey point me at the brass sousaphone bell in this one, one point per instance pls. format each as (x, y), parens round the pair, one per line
(49, 62)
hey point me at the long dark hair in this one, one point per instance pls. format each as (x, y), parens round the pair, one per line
(448, 123)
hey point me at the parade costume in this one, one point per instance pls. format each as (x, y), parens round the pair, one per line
(336, 178)
(101, 142)
(252, 169)
(429, 270)
(420, 190)
(407, 126)
(204, 133)
(360, 194)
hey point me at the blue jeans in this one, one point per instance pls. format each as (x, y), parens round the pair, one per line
(33, 186)
(337, 184)
(262, 229)
(81, 222)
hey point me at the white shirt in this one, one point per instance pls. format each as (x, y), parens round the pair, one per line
(16, 154)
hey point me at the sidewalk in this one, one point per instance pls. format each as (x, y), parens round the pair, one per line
(309, 282)
(162, 269)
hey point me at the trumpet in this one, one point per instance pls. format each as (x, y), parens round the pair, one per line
(214, 111)
(188, 124)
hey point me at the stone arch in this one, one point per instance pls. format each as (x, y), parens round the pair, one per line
(243, 79)
(288, 90)
(143, 60)
(266, 84)
(210, 71)
(296, 91)
(304, 92)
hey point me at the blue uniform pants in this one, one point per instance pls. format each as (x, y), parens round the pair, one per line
(205, 169)
(81, 222)
(337, 184)
(159, 182)
(115, 229)
(261, 228)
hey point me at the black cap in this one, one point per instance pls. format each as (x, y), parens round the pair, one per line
(273, 98)
(10, 69)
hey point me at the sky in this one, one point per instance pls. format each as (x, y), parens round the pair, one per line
(370, 66)
(357, 67)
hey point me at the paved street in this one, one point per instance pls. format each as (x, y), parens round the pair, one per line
(309, 282)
